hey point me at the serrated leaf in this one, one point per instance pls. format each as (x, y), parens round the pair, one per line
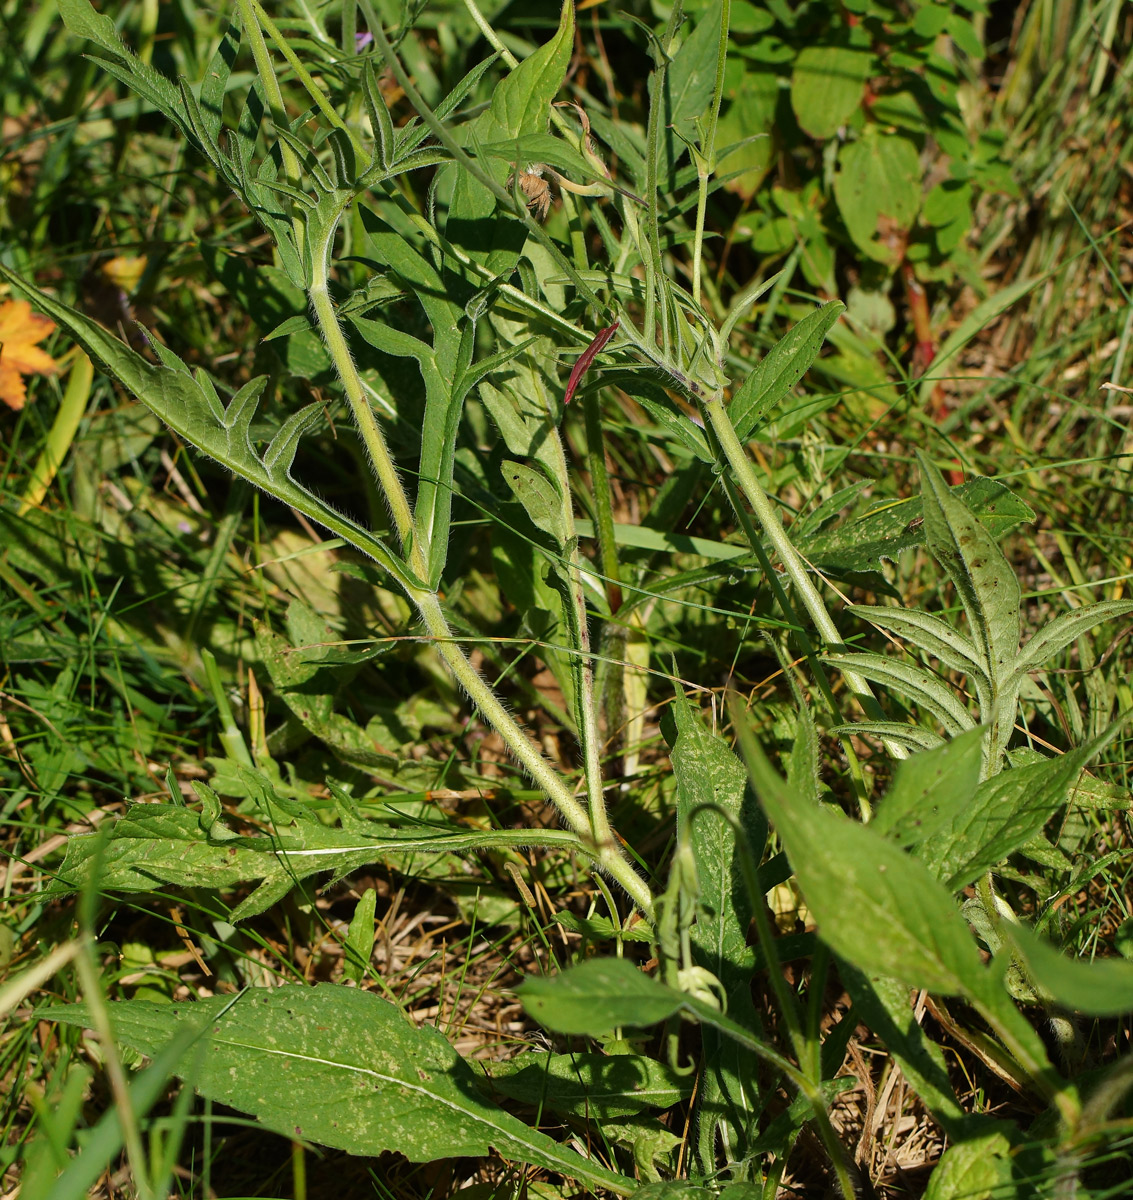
(781, 368)
(183, 404)
(344, 1068)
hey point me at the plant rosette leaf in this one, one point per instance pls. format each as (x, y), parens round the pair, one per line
(343, 1068)
(878, 192)
(597, 997)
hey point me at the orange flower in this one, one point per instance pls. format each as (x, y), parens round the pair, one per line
(20, 329)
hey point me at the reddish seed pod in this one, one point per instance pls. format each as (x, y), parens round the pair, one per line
(587, 357)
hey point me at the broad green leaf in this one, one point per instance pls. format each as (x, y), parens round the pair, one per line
(1003, 814)
(1065, 628)
(929, 788)
(861, 543)
(587, 1085)
(780, 369)
(193, 411)
(1098, 988)
(981, 1166)
(929, 692)
(914, 737)
(597, 997)
(875, 905)
(984, 580)
(344, 1068)
(827, 86)
(878, 190)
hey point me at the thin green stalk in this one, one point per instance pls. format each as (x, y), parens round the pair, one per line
(292, 168)
(309, 85)
(364, 418)
(715, 414)
(607, 851)
(706, 157)
(603, 505)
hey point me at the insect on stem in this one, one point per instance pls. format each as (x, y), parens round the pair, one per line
(587, 357)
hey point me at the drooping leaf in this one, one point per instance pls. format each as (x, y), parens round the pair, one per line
(1101, 988)
(344, 1068)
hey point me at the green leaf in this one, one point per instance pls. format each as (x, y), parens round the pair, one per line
(153, 845)
(860, 543)
(875, 905)
(597, 1086)
(343, 1068)
(520, 105)
(195, 414)
(827, 86)
(689, 80)
(878, 190)
(707, 772)
(360, 937)
(979, 1166)
(780, 369)
(984, 580)
(1056, 635)
(1003, 815)
(540, 498)
(928, 632)
(928, 691)
(597, 997)
(1098, 988)
(927, 787)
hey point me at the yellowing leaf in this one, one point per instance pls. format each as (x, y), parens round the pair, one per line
(20, 329)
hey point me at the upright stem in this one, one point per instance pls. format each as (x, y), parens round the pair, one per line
(717, 416)
(589, 827)
(706, 158)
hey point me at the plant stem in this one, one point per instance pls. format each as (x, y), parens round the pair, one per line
(706, 158)
(588, 827)
(716, 415)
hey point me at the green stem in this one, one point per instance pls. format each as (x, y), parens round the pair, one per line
(717, 416)
(593, 826)
(292, 169)
(706, 158)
